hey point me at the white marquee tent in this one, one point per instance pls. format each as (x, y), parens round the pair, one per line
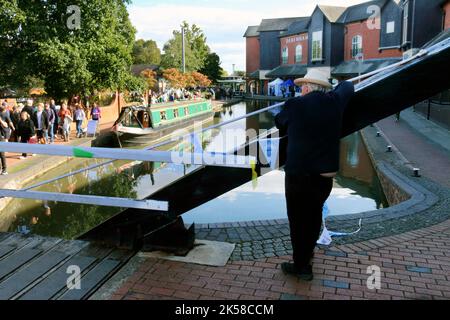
(275, 85)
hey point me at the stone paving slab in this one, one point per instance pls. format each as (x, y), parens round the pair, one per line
(210, 253)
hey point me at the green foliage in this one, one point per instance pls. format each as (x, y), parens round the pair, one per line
(196, 49)
(135, 84)
(146, 52)
(212, 68)
(71, 61)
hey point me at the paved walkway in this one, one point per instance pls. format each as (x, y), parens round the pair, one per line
(424, 146)
(414, 265)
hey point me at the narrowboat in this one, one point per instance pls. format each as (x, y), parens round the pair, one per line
(140, 125)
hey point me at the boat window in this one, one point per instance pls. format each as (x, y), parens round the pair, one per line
(163, 115)
(176, 113)
(186, 111)
(131, 120)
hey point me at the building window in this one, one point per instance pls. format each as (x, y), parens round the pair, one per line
(298, 54)
(405, 21)
(356, 45)
(285, 55)
(317, 46)
(390, 27)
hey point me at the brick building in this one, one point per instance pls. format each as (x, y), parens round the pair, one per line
(345, 41)
(294, 46)
(252, 56)
(269, 50)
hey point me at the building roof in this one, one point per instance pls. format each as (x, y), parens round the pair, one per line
(331, 12)
(252, 31)
(136, 69)
(280, 24)
(351, 68)
(253, 75)
(290, 70)
(297, 27)
(359, 12)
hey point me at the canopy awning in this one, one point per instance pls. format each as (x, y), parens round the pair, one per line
(353, 67)
(290, 70)
(254, 75)
(259, 75)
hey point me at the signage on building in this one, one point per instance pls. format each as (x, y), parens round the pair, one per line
(297, 39)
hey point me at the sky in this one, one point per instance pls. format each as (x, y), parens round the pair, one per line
(224, 22)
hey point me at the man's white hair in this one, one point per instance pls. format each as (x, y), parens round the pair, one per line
(317, 87)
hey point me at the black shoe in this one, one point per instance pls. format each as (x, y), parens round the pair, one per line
(305, 273)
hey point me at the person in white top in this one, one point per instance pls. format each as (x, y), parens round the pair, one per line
(79, 118)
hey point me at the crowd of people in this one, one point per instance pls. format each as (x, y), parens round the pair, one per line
(41, 123)
(174, 95)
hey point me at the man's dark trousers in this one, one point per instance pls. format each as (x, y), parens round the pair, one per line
(305, 197)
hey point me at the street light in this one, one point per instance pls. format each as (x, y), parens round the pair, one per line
(183, 51)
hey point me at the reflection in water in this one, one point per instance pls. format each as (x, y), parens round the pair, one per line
(356, 189)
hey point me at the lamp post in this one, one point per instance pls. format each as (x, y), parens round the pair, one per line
(183, 51)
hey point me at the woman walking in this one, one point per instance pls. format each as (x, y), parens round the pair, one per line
(66, 119)
(25, 130)
(79, 118)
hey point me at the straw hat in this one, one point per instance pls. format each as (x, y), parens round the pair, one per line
(315, 76)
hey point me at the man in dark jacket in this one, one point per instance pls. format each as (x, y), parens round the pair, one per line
(313, 123)
(41, 123)
(29, 108)
(6, 127)
(51, 116)
(55, 124)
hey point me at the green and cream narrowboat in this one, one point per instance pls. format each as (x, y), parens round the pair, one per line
(142, 124)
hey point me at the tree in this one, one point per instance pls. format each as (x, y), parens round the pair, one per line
(174, 77)
(146, 52)
(200, 79)
(196, 49)
(150, 78)
(179, 80)
(212, 67)
(79, 52)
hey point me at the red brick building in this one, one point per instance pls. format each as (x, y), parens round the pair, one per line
(294, 49)
(359, 33)
(345, 41)
(252, 47)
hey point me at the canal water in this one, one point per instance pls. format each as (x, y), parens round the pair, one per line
(356, 189)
